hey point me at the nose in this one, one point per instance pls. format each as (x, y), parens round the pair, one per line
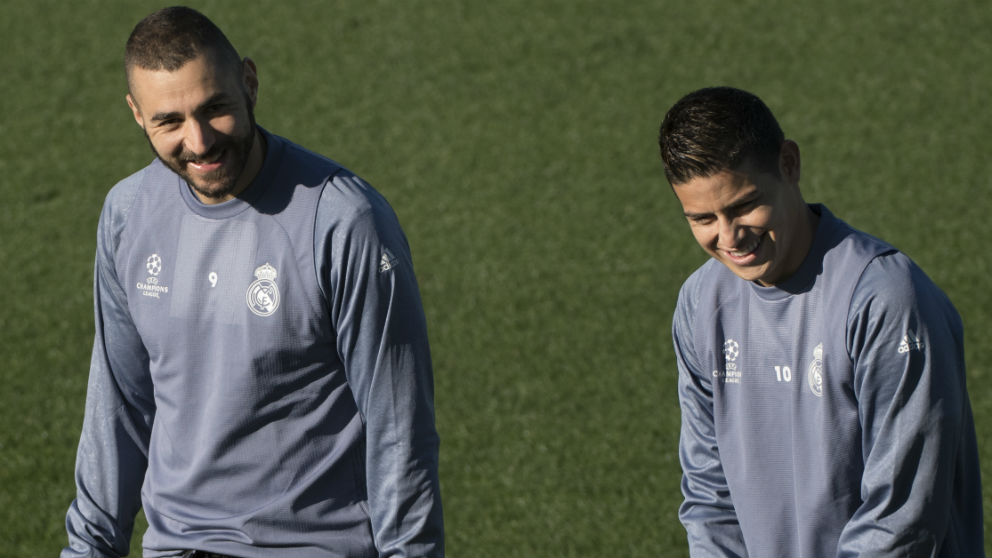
(728, 231)
(199, 137)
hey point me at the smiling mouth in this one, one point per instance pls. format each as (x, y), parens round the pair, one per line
(745, 250)
(206, 163)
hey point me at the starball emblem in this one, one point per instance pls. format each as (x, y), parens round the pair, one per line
(731, 349)
(731, 373)
(154, 265)
(263, 293)
(152, 286)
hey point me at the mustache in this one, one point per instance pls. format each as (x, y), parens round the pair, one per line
(190, 157)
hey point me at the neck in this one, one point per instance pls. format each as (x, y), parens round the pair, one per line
(256, 156)
(808, 223)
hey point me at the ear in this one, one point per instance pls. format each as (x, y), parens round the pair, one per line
(789, 164)
(134, 110)
(250, 79)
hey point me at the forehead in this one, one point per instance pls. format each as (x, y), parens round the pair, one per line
(197, 80)
(706, 194)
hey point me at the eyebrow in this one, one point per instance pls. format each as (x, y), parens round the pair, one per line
(216, 98)
(748, 198)
(689, 215)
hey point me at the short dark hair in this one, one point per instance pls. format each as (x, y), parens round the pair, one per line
(716, 129)
(171, 37)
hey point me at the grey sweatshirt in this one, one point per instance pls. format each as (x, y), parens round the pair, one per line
(827, 415)
(261, 379)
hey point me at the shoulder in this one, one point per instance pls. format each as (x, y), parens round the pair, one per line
(347, 199)
(122, 195)
(851, 264)
(154, 180)
(121, 199)
(343, 194)
(888, 283)
(896, 303)
(710, 280)
(305, 166)
(354, 220)
(892, 280)
(706, 288)
(350, 193)
(846, 251)
(888, 276)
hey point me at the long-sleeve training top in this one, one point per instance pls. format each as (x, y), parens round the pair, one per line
(827, 415)
(261, 380)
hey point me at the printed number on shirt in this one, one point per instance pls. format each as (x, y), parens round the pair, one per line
(783, 373)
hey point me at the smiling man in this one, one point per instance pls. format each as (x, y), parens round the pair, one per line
(821, 373)
(261, 379)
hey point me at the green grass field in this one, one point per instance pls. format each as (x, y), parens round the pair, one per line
(517, 141)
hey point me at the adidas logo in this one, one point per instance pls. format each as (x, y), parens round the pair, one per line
(387, 261)
(910, 343)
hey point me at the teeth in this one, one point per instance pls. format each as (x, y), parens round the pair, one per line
(746, 250)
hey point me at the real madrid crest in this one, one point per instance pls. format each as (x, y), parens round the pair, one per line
(815, 376)
(263, 293)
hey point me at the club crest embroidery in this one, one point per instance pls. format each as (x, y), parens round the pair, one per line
(263, 293)
(816, 371)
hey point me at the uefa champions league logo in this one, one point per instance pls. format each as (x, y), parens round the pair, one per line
(263, 293)
(730, 350)
(731, 373)
(154, 265)
(151, 286)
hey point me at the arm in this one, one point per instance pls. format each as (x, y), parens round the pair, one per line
(382, 340)
(905, 340)
(113, 447)
(707, 513)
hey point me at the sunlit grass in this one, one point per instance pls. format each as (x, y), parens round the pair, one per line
(516, 141)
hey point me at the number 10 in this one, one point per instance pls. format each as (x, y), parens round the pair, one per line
(783, 373)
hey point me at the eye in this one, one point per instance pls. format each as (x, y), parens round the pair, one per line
(747, 206)
(217, 109)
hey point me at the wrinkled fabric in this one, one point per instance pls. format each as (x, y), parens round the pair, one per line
(827, 415)
(261, 380)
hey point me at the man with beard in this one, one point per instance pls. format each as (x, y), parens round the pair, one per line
(261, 380)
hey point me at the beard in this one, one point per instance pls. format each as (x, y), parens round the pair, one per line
(221, 183)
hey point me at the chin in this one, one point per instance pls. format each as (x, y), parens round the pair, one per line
(753, 275)
(215, 193)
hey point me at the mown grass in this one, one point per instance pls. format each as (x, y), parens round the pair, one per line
(516, 141)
